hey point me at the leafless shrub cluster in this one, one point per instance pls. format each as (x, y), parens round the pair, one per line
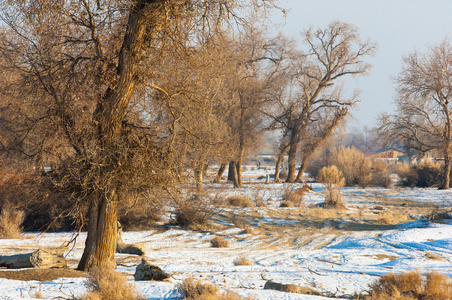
(333, 180)
(192, 289)
(107, 284)
(355, 167)
(240, 201)
(242, 261)
(439, 214)
(196, 211)
(293, 196)
(422, 175)
(412, 286)
(219, 242)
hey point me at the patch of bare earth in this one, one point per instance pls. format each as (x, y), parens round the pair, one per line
(41, 274)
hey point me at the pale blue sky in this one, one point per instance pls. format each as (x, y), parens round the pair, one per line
(398, 26)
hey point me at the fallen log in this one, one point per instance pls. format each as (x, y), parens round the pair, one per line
(42, 258)
(122, 247)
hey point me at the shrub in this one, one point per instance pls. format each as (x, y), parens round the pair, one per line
(380, 174)
(411, 286)
(356, 169)
(195, 212)
(240, 201)
(219, 242)
(10, 222)
(292, 196)
(439, 214)
(242, 261)
(333, 180)
(192, 289)
(106, 284)
(422, 175)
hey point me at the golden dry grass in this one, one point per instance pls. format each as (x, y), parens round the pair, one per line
(10, 223)
(412, 286)
(107, 284)
(242, 261)
(192, 289)
(240, 201)
(219, 242)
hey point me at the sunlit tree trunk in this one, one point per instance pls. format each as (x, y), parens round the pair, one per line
(279, 162)
(220, 173)
(291, 162)
(199, 179)
(100, 244)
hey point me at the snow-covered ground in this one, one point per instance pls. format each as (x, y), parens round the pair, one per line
(339, 256)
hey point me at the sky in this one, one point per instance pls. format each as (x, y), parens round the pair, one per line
(398, 26)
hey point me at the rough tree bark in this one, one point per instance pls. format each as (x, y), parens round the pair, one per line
(232, 173)
(447, 148)
(291, 162)
(279, 162)
(199, 178)
(100, 244)
(220, 173)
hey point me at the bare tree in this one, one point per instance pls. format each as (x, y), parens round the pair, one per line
(424, 117)
(333, 53)
(79, 65)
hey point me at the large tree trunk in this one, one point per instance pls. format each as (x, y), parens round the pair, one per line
(279, 162)
(101, 241)
(447, 150)
(447, 167)
(293, 144)
(199, 179)
(220, 173)
(303, 166)
(239, 167)
(100, 244)
(232, 173)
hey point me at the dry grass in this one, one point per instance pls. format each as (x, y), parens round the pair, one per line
(292, 195)
(240, 201)
(10, 222)
(219, 242)
(192, 289)
(412, 286)
(331, 177)
(194, 212)
(107, 284)
(242, 261)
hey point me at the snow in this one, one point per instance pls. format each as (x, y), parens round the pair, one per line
(341, 263)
